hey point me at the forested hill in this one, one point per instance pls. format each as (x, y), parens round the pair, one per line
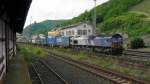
(143, 8)
(41, 27)
(112, 8)
(117, 16)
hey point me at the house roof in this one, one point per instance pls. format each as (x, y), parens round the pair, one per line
(74, 25)
(17, 11)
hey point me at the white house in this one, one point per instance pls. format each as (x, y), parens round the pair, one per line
(81, 29)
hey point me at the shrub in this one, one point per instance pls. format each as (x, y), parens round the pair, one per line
(137, 43)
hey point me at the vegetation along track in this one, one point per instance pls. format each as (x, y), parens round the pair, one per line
(137, 58)
(140, 61)
(46, 74)
(137, 54)
(127, 60)
(114, 77)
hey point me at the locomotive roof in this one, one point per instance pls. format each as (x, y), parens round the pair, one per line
(117, 35)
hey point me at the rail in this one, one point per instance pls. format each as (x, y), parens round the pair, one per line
(37, 75)
(46, 69)
(114, 77)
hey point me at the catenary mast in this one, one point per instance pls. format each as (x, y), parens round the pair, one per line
(94, 19)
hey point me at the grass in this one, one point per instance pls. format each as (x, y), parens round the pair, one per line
(143, 7)
(103, 62)
(31, 53)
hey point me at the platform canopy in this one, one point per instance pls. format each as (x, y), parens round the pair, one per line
(17, 11)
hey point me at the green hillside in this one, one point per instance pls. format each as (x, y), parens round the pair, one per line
(113, 8)
(143, 7)
(42, 27)
(115, 16)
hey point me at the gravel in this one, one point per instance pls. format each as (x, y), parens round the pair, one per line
(33, 76)
(47, 76)
(74, 75)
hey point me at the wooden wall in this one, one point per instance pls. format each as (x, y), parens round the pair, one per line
(7, 44)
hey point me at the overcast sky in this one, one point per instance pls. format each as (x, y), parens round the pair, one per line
(58, 9)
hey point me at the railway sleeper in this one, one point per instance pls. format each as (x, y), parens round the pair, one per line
(112, 78)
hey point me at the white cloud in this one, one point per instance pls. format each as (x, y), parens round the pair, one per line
(58, 9)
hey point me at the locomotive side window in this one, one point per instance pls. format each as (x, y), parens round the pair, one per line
(108, 40)
(75, 42)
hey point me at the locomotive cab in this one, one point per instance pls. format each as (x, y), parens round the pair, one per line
(117, 44)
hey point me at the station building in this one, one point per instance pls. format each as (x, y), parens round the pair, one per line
(12, 18)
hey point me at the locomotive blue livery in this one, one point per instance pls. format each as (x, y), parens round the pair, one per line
(51, 41)
(63, 41)
(103, 42)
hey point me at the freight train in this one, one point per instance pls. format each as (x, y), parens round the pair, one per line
(112, 44)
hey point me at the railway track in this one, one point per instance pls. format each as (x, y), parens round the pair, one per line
(124, 60)
(137, 53)
(36, 79)
(117, 78)
(138, 62)
(114, 77)
(44, 74)
(145, 56)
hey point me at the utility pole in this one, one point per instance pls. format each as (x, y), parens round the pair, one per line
(30, 27)
(94, 19)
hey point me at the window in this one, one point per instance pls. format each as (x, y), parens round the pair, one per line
(79, 32)
(62, 33)
(66, 32)
(69, 32)
(72, 32)
(89, 32)
(84, 32)
(84, 26)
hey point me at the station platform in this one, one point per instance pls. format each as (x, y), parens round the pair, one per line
(17, 72)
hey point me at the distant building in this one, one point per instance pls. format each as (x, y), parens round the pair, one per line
(54, 33)
(21, 38)
(34, 38)
(81, 29)
(39, 39)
